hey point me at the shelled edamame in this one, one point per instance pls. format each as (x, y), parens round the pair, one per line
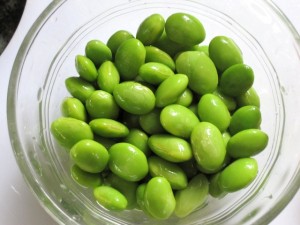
(158, 121)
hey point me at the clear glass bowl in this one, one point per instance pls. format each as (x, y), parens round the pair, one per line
(46, 58)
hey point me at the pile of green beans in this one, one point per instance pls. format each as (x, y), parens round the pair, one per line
(159, 122)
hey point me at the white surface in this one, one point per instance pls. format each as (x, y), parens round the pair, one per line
(18, 206)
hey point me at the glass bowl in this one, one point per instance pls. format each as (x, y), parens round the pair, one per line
(270, 46)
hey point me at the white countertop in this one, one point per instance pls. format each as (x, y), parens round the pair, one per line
(18, 206)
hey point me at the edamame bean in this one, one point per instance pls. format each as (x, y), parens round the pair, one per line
(164, 95)
(236, 80)
(159, 198)
(130, 56)
(186, 98)
(151, 29)
(68, 131)
(238, 175)
(249, 98)
(127, 188)
(85, 179)
(134, 97)
(200, 48)
(155, 73)
(79, 88)
(201, 71)
(89, 156)
(246, 117)
(108, 77)
(101, 104)
(178, 120)
(184, 29)
(171, 148)
(159, 167)
(98, 52)
(214, 188)
(212, 109)
(140, 191)
(192, 197)
(130, 120)
(150, 122)
(72, 107)
(247, 143)
(208, 147)
(154, 54)
(106, 142)
(108, 128)
(168, 46)
(228, 101)
(117, 39)
(190, 168)
(128, 162)
(110, 198)
(86, 68)
(139, 139)
(224, 52)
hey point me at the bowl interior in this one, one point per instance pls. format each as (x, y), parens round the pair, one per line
(46, 59)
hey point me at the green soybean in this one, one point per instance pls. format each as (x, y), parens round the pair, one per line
(154, 54)
(85, 179)
(236, 80)
(130, 56)
(165, 95)
(171, 148)
(79, 88)
(139, 139)
(238, 175)
(117, 38)
(212, 109)
(201, 71)
(247, 143)
(244, 118)
(106, 142)
(151, 29)
(89, 156)
(108, 128)
(230, 102)
(101, 104)
(168, 46)
(200, 48)
(108, 77)
(150, 122)
(128, 162)
(140, 191)
(155, 73)
(159, 198)
(208, 147)
(98, 52)
(74, 108)
(190, 168)
(127, 188)
(86, 68)
(184, 29)
(224, 52)
(192, 197)
(249, 98)
(110, 198)
(68, 131)
(178, 120)
(134, 97)
(159, 167)
(130, 120)
(186, 98)
(214, 188)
